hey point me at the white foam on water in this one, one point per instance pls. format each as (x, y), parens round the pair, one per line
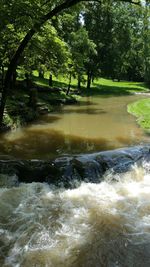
(94, 225)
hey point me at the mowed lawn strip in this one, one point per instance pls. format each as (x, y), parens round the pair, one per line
(141, 109)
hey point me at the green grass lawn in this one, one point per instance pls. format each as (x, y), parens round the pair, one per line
(141, 109)
(106, 86)
(99, 86)
(59, 81)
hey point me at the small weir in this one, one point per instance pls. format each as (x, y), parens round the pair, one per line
(102, 218)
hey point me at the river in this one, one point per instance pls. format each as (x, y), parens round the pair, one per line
(93, 225)
(95, 124)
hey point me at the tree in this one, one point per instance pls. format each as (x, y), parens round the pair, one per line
(98, 22)
(82, 49)
(46, 51)
(55, 8)
(146, 39)
(116, 30)
(127, 43)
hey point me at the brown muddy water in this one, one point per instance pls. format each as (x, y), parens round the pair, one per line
(95, 124)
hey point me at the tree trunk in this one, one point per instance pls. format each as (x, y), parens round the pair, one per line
(146, 43)
(3, 75)
(13, 80)
(50, 80)
(11, 68)
(69, 85)
(41, 74)
(89, 79)
(79, 81)
(93, 78)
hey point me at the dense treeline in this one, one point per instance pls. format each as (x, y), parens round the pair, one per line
(91, 39)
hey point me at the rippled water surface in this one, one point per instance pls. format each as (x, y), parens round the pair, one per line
(95, 124)
(93, 225)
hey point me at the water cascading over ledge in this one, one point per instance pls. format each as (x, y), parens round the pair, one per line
(104, 221)
(88, 167)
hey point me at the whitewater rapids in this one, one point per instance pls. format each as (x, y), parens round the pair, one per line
(93, 225)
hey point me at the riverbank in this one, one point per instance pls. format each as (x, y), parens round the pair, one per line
(19, 111)
(141, 110)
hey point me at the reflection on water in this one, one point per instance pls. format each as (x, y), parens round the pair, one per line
(105, 224)
(41, 143)
(93, 125)
(84, 111)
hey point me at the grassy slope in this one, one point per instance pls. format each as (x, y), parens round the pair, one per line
(123, 86)
(100, 86)
(141, 109)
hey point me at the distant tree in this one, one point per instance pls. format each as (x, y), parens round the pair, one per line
(98, 22)
(146, 39)
(116, 29)
(127, 43)
(82, 49)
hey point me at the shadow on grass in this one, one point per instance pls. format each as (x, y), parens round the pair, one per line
(96, 89)
(45, 82)
(105, 90)
(144, 85)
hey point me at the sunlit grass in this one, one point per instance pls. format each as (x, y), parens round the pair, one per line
(141, 109)
(134, 85)
(98, 86)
